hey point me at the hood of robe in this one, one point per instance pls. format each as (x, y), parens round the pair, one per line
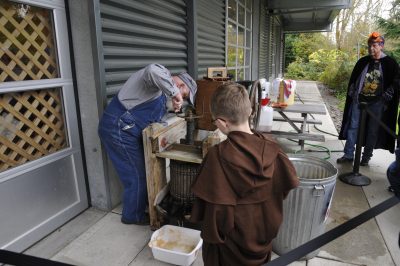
(248, 161)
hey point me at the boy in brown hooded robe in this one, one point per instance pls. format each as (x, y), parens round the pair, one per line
(241, 186)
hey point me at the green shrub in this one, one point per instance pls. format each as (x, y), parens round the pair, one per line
(331, 67)
(341, 96)
(337, 71)
(336, 75)
(296, 70)
(302, 71)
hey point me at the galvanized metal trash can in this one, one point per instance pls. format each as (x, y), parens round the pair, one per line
(306, 208)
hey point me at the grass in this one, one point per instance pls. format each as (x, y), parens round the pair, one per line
(341, 96)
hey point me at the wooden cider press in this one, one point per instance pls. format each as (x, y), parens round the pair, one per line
(201, 134)
(217, 76)
(199, 118)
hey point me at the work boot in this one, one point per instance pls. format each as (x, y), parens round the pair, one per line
(364, 161)
(343, 159)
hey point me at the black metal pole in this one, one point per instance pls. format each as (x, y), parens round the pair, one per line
(190, 127)
(360, 137)
(355, 178)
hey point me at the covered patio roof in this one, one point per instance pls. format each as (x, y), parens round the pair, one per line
(306, 15)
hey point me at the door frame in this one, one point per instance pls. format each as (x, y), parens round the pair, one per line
(71, 155)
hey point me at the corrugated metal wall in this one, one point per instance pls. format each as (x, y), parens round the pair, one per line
(278, 48)
(137, 33)
(271, 46)
(211, 34)
(263, 50)
(274, 36)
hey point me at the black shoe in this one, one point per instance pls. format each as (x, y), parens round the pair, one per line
(344, 160)
(364, 162)
(144, 221)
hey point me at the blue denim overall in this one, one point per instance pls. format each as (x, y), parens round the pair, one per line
(120, 131)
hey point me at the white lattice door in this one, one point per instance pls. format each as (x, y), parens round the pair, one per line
(42, 182)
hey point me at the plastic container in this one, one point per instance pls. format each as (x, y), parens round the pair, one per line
(266, 119)
(274, 92)
(176, 245)
(266, 114)
(306, 208)
(265, 86)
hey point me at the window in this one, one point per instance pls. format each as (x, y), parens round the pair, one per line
(32, 122)
(27, 39)
(238, 39)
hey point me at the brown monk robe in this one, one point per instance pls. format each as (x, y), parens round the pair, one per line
(239, 191)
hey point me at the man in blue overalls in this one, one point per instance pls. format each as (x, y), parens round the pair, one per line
(140, 102)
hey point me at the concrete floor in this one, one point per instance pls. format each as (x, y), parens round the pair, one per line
(98, 238)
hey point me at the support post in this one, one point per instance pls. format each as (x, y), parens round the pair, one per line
(355, 178)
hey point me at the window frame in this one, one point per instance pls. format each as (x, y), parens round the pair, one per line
(242, 64)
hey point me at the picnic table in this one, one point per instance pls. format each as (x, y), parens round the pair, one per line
(300, 133)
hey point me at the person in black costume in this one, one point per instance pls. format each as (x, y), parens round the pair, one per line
(373, 81)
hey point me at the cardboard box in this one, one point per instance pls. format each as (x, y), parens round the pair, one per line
(287, 90)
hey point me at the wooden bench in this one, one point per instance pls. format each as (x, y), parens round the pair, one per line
(295, 135)
(298, 120)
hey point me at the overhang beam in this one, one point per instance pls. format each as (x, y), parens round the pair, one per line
(296, 4)
(307, 27)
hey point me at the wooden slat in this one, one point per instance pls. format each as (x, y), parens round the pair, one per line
(155, 176)
(25, 120)
(180, 153)
(15, 58)
(303, 109)
(15, 147)
(294, 135)
(21, 30)
(25, 138)
(40, 114)
(23, 50)
(17, 132)
(24, 34)
(298, 120)
(7, 71)
(160, 128)
(176, 132)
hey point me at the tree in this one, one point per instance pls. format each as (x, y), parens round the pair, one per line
(391, 30)
(290, 55)
(353, 25)
(392, 25)
(298, 47)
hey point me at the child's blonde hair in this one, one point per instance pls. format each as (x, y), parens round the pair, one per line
(231, 101)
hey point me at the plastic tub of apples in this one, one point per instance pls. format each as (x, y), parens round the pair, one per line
(176, 245)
